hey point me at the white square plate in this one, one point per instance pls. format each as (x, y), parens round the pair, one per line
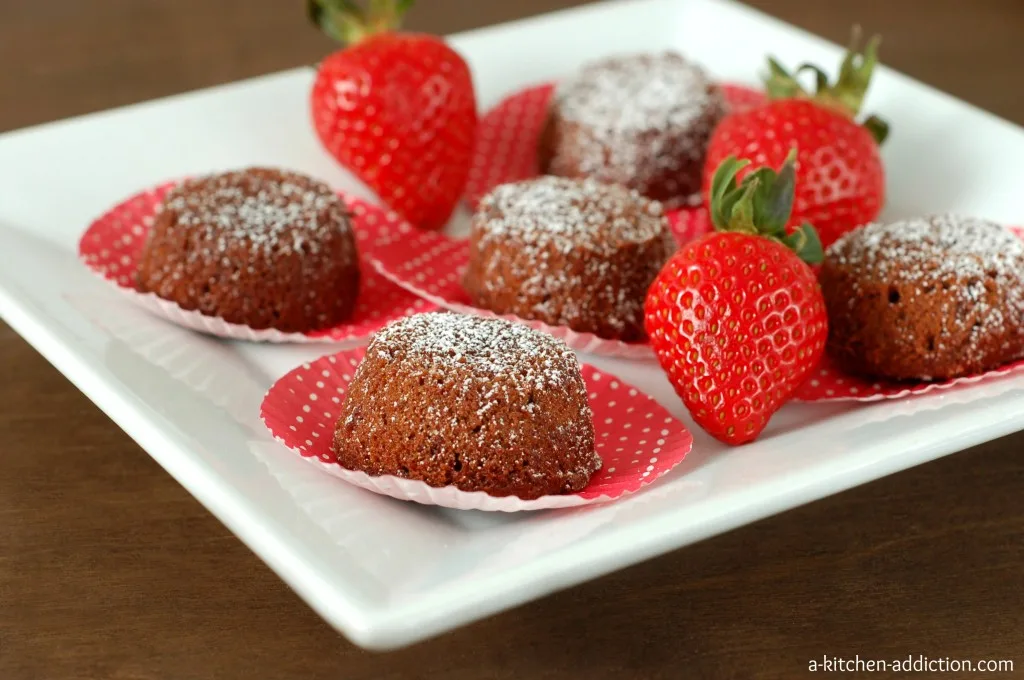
(388, 573)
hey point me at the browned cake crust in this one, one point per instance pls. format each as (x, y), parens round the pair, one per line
(483, 404)
(568, 252)
(260, 247)
(931, 298)
(642, 121)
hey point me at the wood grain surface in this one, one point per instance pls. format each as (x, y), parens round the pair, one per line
(109, 569)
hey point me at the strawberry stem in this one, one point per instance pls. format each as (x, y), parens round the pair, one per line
(348, 22)
(846, 94)
(761, 205)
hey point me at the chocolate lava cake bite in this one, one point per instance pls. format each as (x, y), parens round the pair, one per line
(929, 298)
(576, 253)
(481, 404)
(261, 247)
(642, 121)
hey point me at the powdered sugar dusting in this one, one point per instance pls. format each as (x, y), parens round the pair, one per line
(640, 93)
(930, 247)
(577, 253)
(472, 402)
(270, 210)
(639, 119)
(570, 214)
(487, 348)
(979, 265)
(257, 247)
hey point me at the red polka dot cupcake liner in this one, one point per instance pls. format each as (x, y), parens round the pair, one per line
(112, 245)
(637, 439)
(431, 266)
(508, 137)
(829, 383)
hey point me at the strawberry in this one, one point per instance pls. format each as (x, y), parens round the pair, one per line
(736, 317)
(397, 109)
(840, 178)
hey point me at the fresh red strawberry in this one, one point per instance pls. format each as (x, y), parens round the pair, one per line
(397, 109)
(737, 318)
(840, 178)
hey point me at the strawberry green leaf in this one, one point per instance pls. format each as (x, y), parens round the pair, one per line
(780, 84)
(726, 206)
(315, 12)
(342, 20)
(347, 21)
(820, 77)
(765, 179)
(805, 243)
(723, 182)
(762, 205)
(878, 128)
(778, 205)
(742, 216)
(855, 73)
(851, 85)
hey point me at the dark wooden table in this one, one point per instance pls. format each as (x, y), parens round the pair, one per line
(109, 569)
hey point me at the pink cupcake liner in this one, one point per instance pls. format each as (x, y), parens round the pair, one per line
(112, 245)
(637, 439)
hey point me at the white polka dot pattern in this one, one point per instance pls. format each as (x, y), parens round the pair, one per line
(828, 383)
(508, 139)
(111, 247)
(637, 439)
